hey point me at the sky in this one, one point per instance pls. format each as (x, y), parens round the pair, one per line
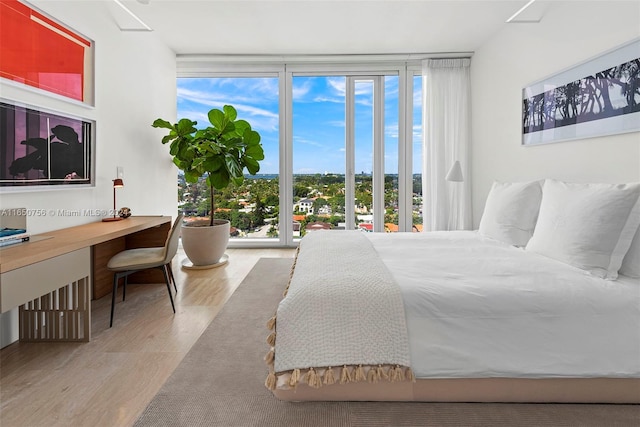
(318, 118)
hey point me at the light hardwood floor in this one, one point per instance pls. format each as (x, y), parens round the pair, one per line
(110, 380)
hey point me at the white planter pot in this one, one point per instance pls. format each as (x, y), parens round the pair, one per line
(205, 244)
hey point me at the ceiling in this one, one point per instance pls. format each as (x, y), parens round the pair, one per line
(300, 27)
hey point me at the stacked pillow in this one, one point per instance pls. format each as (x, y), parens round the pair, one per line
(631, 262)
(588, 226)
(511, 211)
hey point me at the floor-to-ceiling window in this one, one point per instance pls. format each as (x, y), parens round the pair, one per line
(318, 145)
(342, 147)
(253, 207)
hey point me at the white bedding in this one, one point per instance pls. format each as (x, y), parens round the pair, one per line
(476, 307)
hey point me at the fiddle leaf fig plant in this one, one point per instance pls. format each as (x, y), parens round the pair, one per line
(221, 151)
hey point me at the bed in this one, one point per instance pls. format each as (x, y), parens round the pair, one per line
(467, 315)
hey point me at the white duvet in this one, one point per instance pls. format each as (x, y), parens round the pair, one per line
(476, 307)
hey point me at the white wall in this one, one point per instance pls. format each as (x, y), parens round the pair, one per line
(569, 33)
(135, 78)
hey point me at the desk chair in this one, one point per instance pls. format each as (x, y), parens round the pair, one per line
(132, 260)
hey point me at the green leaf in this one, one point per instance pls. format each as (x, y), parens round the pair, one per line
(175, 147)
(255, 151)
(213, 164)
(191, 176)
(197, 162)
(242, 126)
(251, 137)
(233, 166)
(229, 128)
(216, 117)
(238, 180)
(185, 127)
(234, 143)
(252, 165)
(220, 179)
(159, 123)
(230, 112)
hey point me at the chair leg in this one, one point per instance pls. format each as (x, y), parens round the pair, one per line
(113, 296)
(166, 279)
(173, 279)
(124, 286)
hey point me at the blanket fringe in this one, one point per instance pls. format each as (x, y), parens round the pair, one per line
(372, 375)
(382, 375)
(410, 376)
(295, 377)
(313, 379)
(293, 267)
(270, 357)
(271, 323)
(393, 374)
(359, 374)
(271, 381)
(271, 339)
(345, 376)
(317, 377)
(329, 377)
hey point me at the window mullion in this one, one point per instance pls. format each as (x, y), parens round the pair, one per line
(286, 157)
(378, 154)
(350, 180)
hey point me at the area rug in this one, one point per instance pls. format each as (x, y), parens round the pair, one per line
(220, 382)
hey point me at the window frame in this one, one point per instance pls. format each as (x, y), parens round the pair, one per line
(287, 67)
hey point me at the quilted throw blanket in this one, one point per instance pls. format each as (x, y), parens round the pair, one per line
(342, 310)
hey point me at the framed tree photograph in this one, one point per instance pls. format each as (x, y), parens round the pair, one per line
(595, 98)
(40, 149)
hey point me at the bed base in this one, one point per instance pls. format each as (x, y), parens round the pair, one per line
(544, 390)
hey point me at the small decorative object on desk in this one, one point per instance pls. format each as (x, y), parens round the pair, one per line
(124, 213)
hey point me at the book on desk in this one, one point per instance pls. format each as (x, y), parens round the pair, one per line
(11, 236)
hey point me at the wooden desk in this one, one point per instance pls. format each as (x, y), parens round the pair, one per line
(52, 277)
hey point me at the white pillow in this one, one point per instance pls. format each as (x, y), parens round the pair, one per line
(631, 262)
(589, 226)
(511, 211)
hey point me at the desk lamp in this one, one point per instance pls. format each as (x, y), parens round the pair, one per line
(117, 183)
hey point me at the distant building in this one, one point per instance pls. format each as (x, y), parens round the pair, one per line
(325, 210)
(390, 227)
(366, 226)
(296, 229)
(305, 205)
(313, 226)
(361, 209)
(365, 218)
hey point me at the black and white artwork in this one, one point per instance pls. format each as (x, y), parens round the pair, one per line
(597, 98)
(39, 148)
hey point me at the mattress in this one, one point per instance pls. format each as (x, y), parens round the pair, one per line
(478, 308)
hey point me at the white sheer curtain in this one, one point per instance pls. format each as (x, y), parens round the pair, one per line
(446, 123)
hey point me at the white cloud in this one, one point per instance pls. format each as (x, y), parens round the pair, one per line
(324, 98)
(391, 130)
(298, 140)
(299, 91)
(260, 118)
